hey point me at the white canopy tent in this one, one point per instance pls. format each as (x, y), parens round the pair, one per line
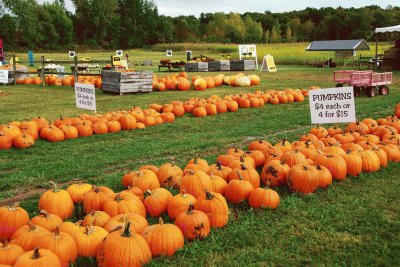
(383, 30)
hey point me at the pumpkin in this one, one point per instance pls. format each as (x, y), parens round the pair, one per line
(71, 228)
(27, 236)
(353, 163)
(78, 190)
(370, 161)
(70, 132)
(145, 180)
(334, 163)
(47, 220)
(325, 176)
(113, 126)
(61, 244)
(263, 198)
(135, 191)
(257, 156)
(216, 208)
(199, 112)
(157, 202)
(138, 223)
(38, 258)
(9, 253)
(195, 183)
(57, 202)
(11, 218)
(124, 203)
(238, 190)
(96, 197)
(303, 178)
(274, 173)
(100, 128)
(179, 203)
(5, 140)
(200, 84)
(89, 240)
(96, 218)
(30, 128)
(163, 239)
(381, 155)
(293, 157)
(23, 140)
(247, 174)
(198, 164)
(218, 184)
(220, 170)
(127, 249)
(169, 175)
(194, 224)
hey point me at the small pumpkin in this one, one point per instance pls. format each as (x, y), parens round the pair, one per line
(179, 203)
(263, 198)
(46, 220)
(38, 257)
(194, 224)
(157, 202)
(216, 208)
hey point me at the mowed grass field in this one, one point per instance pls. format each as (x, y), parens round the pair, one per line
(353, 222)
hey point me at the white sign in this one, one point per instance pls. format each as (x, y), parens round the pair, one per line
(248, 51)
(85, 96)
(168, 53)
(3, 76)
(119, 53)
(71, 53)
(332, 105)
(268, 64)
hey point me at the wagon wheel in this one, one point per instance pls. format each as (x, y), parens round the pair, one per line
(357, 91)
(339, 85)
(383, 90)
(370, 90)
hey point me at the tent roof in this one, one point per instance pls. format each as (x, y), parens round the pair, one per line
(388, 29)
(338, 45)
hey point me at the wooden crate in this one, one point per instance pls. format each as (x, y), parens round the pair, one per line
(249, 64)
(237, 65)
(191, 67)
(202, 66)
(127, 82)
(214, 66)
(225, 65)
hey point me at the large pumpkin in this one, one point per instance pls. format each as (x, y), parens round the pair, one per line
(194, 224)
(124, 203)
(9, 253)
(156, 202)
(303, 178)
(334, 163)
(127, 249)
(11, 218)
(179, 203)
(57, 202)
(216, 208)
(46, 220)
(38, 258)
(263, 198)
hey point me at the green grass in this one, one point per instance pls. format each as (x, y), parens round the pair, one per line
(354, 222)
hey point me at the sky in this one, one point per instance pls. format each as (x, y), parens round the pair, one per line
(175, 8)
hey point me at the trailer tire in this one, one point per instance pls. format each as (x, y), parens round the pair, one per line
(357, 91)
(383, 90)
(370, 90)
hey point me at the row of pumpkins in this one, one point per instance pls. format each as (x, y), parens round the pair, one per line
(181, 81)
(24, 134)
(61, 81)
(115, 229)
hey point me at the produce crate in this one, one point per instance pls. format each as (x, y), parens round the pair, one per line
(249, 64)
(237, 65)
(225, 65)
(127, 82)
(214, 66)
(202, 66)
(191, 67)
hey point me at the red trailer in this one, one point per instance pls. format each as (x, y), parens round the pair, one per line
(368, 81)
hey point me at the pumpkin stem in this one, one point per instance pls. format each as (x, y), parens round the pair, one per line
(348, 151)
(13, 206)
(191, 208)
(31, 226)
(243, 166)
(219, 166)
(127, 230)
(57, 232)
(44, 213)
(305, 167)
(209, 195)
(183, 193)
(36, 254)
(118, 197)
(240, 176)
(5, 242)
(160, 221)
(55, 186)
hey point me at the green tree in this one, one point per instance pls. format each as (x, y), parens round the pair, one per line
(275, 35)
(254, 30)
(235, 29)
(182, 30)
(288, 34)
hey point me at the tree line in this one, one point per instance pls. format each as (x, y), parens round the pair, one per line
(137, 24)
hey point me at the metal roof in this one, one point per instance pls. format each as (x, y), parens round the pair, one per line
(338, 45)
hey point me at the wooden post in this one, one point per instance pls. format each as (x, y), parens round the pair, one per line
(112, 62)
(14, 69)
(42, 71)
(76, 68)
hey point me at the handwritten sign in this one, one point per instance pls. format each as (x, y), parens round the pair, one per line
(332, 105)
(268, 64)
(85, 96)
(3, 76)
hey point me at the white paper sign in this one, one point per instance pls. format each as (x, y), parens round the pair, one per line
(168, 53)
(3, 76)
(85, 96)
(332, 105)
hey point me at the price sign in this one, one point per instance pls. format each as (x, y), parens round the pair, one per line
(85, 96)
(332, 105)
(3, 76)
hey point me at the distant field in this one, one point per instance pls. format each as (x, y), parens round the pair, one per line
(284, 53)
